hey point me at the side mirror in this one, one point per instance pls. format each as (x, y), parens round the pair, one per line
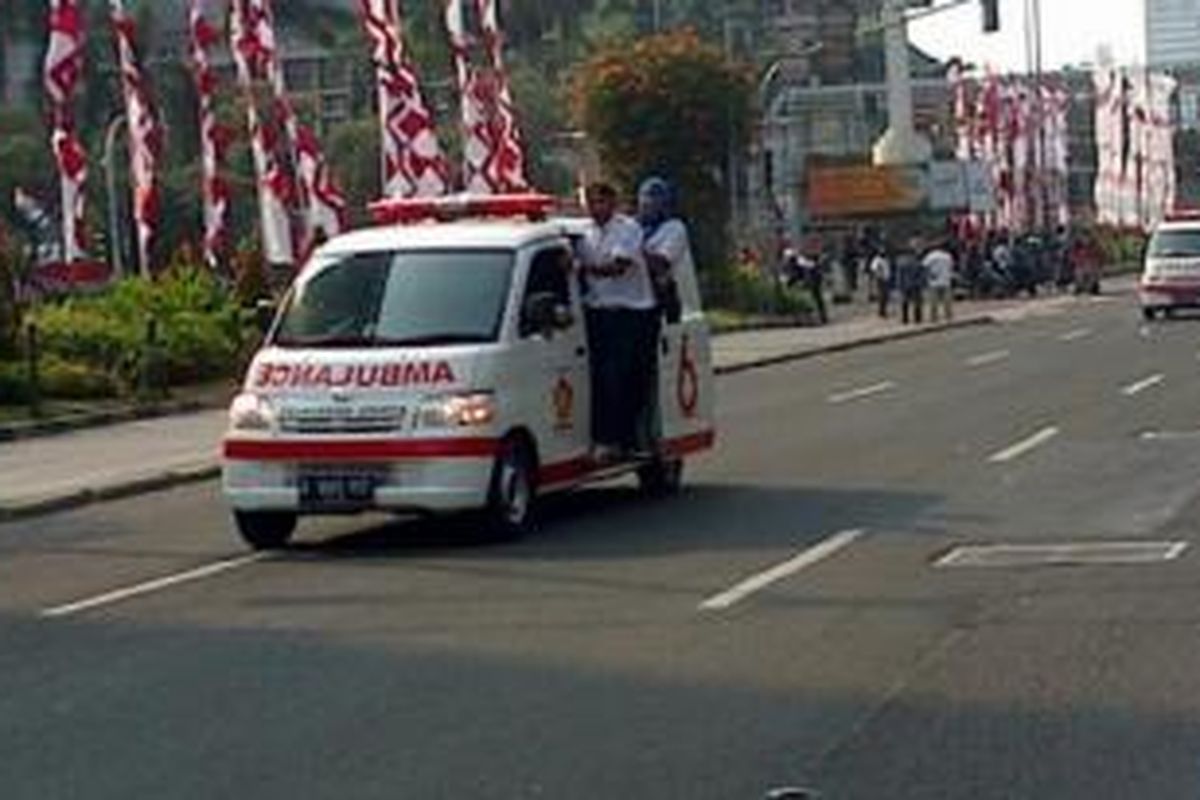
(264, 314)
(543, 314)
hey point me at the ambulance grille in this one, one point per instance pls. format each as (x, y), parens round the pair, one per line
(390, 423)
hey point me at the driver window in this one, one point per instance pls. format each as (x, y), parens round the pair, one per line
(550, 273)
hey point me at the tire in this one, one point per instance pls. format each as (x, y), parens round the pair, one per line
(661, 478)
(266, 530)
(512, 496)
(1149, 314)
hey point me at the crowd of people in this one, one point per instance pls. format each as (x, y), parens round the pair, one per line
(923, 274)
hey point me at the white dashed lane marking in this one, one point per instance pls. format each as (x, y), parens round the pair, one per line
(1025, 446)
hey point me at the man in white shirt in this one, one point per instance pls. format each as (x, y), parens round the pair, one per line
(880, 269)
(622, 324)
(939, 266)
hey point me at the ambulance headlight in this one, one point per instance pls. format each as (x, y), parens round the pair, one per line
(251, 413)
(477, 410)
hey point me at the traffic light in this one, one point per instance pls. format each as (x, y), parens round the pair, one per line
(991, 16)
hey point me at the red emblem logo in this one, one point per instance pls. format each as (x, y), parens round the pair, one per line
(688, 382)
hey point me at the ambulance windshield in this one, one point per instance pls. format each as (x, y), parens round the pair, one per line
(398, 299)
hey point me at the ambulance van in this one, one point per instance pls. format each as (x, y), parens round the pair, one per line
(439, 364)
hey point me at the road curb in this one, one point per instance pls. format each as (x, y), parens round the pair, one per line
(118, 491)
(857, 344)
(56, 426)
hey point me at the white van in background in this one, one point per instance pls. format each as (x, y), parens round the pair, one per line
(1171, 273)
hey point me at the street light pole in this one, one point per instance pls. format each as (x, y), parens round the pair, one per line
(110, 179)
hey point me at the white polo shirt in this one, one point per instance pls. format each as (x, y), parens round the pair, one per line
(619, 239)
(671, 242)
(939, 264)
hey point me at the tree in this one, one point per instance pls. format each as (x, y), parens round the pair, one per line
(669, 105)
(23, 20)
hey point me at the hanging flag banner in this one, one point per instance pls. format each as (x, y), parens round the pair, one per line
(274, 184)
(506, 167)
(62, 73)
(412, 160)
(214, 138)
(477, 145)
(145, 142)
(322, 205)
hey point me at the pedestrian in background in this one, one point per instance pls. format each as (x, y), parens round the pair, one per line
(812, 274)
(910, 275)
(939, 269)
(880, 270)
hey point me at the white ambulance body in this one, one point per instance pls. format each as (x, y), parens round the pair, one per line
(438, 368)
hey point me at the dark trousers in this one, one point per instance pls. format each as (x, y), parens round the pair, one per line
(883, 295)
(624, 349)
(912, 308)
(818, 297)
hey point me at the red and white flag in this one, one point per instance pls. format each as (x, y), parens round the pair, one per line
(322, 205)
(413, 164)
(145, 139)
(475, 96)
(507, 166)
(62, 72)
(274, 184)
(214, 138)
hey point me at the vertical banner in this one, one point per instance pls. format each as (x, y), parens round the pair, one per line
(322, 205)
(145, 141)
(62, 72)
(477, 146)
(507, 165)
(214, 139)
(274, 185)
(412, 160)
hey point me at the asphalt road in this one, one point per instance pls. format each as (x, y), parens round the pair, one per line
(621, 654)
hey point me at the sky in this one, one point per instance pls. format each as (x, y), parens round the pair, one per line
(1072, 30)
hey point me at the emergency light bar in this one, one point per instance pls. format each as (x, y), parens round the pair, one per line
(409, 211)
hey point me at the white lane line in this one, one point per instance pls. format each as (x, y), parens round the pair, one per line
(756, 583)
(1076, 335)
(150, 587)
(1024, 446)
(985, 359)
(1169, 436)
(1134, 389)
(861, 394)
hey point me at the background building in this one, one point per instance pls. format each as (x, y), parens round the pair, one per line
(1172, 32)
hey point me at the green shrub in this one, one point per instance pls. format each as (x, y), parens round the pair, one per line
(64, 380)
(14, 388)
(748, 293)
(200, 328)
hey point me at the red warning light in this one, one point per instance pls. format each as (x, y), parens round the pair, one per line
(410, 211)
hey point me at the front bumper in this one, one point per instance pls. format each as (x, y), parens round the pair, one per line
(407, 485)
(1169, 296)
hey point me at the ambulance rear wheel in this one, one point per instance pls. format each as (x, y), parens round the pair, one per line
(513, 494)
(266, 530)
(661, 478)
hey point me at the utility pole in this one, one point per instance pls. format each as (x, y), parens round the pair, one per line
(115, 240)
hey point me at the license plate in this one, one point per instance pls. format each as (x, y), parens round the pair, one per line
(338, 491)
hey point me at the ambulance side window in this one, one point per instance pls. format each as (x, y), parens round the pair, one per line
(549, 274)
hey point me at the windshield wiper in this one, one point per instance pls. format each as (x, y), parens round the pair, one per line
(338, 342)
(378, 342)
(432, 340)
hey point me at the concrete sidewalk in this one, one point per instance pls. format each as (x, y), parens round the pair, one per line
(40, 475)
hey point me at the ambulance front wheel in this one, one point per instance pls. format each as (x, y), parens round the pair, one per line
(513, 493)
(266, 530)
(662, 478)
